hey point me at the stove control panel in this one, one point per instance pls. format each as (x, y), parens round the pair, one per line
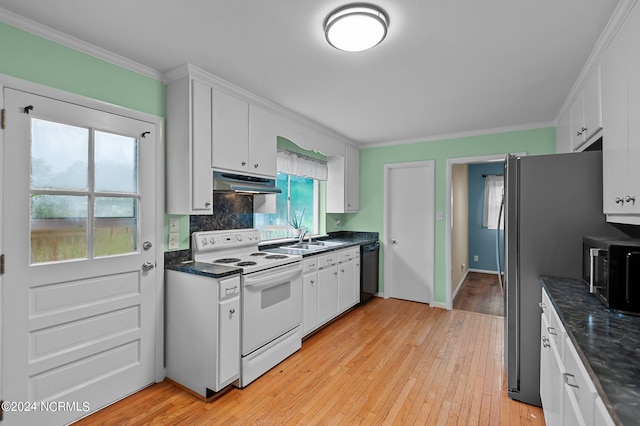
(229, 239)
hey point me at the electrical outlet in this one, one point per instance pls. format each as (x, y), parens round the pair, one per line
(173, 225)
(174, 241)
(475, 258)
(338, 223)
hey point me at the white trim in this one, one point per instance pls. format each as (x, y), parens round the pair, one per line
(459, 135)
(483, 271)
(450, 162)
(74, 43)
(610, 30)
(385, 230)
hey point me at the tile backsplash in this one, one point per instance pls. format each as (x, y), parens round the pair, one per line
(230, 211)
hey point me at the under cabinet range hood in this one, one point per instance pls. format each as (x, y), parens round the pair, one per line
(230, 182)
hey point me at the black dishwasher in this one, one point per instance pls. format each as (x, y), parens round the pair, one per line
(369, 254)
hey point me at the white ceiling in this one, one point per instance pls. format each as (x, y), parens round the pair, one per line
(446, 67)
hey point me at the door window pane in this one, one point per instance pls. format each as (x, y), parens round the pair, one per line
(58, 227)
(116, 159)
(59, 155)
(116, 226)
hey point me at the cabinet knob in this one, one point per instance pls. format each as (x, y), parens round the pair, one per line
(232, 311)
(207, 205)
(630, 199)
(542, 305)
(255, 165)
(244, 163)
(545, 342)
(619, 200)
(312, 282)
(584, 129)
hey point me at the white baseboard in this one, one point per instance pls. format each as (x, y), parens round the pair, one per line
(483, 271)
(455, 293)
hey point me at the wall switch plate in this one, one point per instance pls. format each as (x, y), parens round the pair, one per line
(173, 225)
(475, 258)
(174, 241)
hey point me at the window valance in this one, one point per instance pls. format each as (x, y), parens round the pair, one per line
(297, 164)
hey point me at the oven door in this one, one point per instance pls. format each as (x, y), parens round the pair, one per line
(271, 305)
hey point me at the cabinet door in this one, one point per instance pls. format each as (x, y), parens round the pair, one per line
(633, 181)
(578, 385)
(352, 179)
(263, 142)
(202, 195)
(577, 122)
(592, 104)
(327, 294)
(615, 75)
(228, 341)
(309, 303)
(230, 133)
(550, 384)
(346, 283)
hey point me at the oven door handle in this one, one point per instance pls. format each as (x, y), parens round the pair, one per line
(270, 279)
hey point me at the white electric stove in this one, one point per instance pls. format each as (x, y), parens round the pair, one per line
(270, 297)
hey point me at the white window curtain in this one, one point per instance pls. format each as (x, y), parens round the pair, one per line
(493, 191)
(293, 163)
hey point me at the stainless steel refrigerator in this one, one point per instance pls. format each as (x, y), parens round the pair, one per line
(551, 202)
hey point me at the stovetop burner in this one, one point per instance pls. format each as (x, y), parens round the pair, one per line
(246, 263)
(227, 260)
(276, 256)
(258, 253)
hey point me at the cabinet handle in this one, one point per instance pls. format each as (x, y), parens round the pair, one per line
(335, 273)
(542, 306)
(312, 282)
(545, 342)
(255, 165)
(619, 200)
(232, 311)
(552, 331)
(630, 199)
(207, 205)
(244, 163)
(584, 129)
(570, 378)
(578, 133)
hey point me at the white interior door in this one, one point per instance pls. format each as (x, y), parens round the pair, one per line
(409, 231)
(78, 311)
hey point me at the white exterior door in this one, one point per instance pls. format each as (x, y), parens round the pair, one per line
(409, 231)
(78, 310)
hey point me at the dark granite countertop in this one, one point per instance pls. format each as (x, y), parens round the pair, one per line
(347, 238)
(608, 343)
(204, 269)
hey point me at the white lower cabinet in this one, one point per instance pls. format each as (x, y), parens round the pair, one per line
(331, 285)
(568, 394)
(202, 317)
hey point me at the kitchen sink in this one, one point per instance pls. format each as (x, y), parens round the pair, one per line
(314, 245)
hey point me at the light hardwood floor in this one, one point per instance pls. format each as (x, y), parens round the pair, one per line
(388, 362)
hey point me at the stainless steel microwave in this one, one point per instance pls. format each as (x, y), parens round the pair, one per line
(611, 269)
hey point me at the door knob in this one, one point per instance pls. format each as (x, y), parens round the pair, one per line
(147, 245)
(147, 266)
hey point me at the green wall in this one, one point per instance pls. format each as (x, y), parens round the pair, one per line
(372, 161)
(33, 58)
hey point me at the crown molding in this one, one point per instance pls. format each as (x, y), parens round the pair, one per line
(610, 30)
(66, 40)
(460, 135)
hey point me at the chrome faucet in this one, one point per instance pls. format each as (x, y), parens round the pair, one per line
(302, 235)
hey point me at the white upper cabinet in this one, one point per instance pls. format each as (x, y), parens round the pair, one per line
(580, 125)
(592, 105)
(621, 121)
(189, 173)
(343, 183)
(244, 138)
(230, 123)
(263, 142)
(563, 134)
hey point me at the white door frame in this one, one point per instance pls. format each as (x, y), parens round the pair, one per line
(385, 230)
(450, 163)
(158, 123)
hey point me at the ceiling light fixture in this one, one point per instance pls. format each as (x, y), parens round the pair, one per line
(356, 27)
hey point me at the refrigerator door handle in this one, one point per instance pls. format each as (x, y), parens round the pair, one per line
(593, 255)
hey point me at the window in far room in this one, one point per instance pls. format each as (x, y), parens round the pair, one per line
(493, 192)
